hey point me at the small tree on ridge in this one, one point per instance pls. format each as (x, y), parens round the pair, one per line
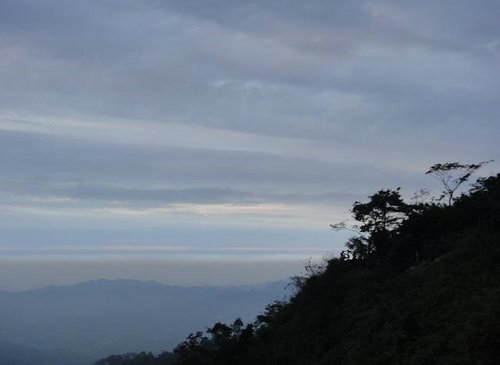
(452, 175)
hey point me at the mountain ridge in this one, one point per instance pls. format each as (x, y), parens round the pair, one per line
(102, 316)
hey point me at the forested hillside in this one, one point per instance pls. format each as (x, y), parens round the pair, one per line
(419, 283)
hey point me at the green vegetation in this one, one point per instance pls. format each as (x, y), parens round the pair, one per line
(419, 284)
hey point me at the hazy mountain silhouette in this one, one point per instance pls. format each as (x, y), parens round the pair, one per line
(100, 317)
(22, 355)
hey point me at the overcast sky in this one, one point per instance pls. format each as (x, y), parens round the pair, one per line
(225, 131)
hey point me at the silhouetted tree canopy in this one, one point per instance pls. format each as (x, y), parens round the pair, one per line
(452, 175)
(377, 219)
(418, 284)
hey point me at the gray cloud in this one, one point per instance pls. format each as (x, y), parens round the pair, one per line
(48, 166)
(297, 103)
(287, 68)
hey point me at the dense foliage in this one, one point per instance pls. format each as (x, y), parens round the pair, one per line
(420, 284)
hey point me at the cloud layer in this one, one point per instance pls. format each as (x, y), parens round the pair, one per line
(271, 115)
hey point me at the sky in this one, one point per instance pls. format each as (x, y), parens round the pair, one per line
(213, 142)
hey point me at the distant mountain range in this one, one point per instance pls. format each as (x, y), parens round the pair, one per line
(61, 325)
(22, 355)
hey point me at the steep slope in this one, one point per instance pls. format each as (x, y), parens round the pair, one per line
(446, 311)
(423, 291)
(394, 308)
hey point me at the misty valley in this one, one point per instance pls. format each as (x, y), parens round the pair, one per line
(82, 323)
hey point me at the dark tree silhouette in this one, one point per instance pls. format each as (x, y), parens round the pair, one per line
(378, 218)
(221, 333)
(452, 175)
(383, 213)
